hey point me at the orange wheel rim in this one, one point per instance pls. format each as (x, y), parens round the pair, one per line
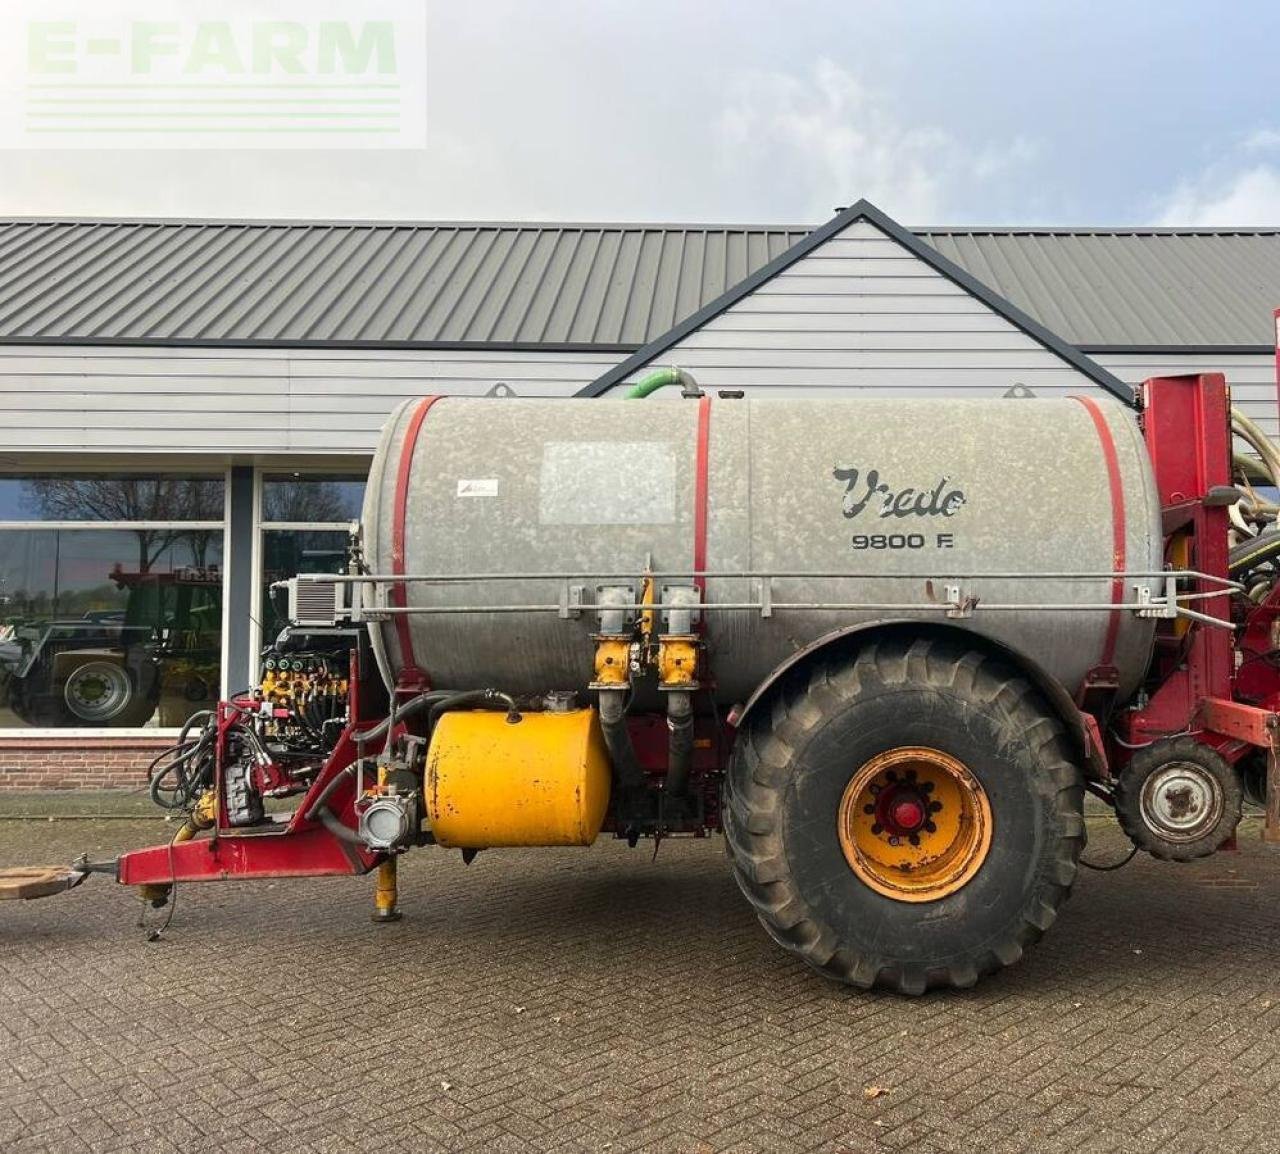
(914, 824)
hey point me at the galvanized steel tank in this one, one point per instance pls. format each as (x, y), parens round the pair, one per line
(889, 500)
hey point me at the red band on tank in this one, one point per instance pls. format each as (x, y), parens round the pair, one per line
(399, 596)
(700, 496)
(1116, 485)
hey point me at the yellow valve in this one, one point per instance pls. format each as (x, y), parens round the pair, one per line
(205, 811)
(612, 664)
(678, 661)
(542, 781)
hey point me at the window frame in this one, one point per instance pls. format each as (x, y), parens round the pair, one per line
(262, 526)
(83, 732)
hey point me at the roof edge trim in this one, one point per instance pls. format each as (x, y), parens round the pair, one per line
(1184, 350)
(285, 343)
(863, 210)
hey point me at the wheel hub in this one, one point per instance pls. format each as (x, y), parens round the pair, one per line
(1181, 801)
(97, 691)
(914, 824)
(908, 814)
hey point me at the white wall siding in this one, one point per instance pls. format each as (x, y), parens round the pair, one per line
(1252, 377)
(238, 401)
(863, 312)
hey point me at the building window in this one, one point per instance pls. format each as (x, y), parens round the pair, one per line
(304, 528)
(317, 499)
(110, 599)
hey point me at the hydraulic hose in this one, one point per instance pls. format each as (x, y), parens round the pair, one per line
(680, 742)
(327, 818)
(660, 379)
(441, 700)
(629, 778)
(478, 699)
(1266, 448)
(180, 756)
(321, 812)
(321, 803)
(400, 713)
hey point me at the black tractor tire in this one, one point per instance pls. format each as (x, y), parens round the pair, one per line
(1221, 819)
(800, 749)
(33, 702)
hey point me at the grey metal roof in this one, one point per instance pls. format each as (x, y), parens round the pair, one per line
(599, 286)
(605, 287)
(1125, 288)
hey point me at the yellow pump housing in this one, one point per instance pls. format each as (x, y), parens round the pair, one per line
(542, 781)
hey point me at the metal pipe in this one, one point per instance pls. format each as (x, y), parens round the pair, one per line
(801, 606)
(760, 574)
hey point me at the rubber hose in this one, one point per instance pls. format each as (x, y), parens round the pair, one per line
(327, 818)
(473, 697)
(679, 743)
(328, 791)
(408, 709)
(1254, 552)
(660, 379)
(181, 756)
(628, 776)
(1260, 441)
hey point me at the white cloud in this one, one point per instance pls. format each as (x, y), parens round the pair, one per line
(1263, 140)
(1239, 188)
(838, 139)
(1247, 198)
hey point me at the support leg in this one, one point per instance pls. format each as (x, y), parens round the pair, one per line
(1271, 827)
(384, 897)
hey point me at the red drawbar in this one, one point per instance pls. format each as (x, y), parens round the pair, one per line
(399, 596)
(1116, 486)
(700, 496)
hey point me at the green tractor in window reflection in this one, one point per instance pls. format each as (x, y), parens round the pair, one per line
(158, 658)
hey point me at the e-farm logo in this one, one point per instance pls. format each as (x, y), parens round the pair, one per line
(280, 74)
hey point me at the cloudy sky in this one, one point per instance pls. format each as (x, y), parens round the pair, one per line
(759, 111)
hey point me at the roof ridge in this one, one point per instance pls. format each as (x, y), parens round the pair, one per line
(637, 226)
(1090, 230)
(390, 222)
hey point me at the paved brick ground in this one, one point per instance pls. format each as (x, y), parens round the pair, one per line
(593, 1000)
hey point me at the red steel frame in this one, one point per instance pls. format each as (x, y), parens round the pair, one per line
(1205, 685)
(302, 848)
(1187, 426)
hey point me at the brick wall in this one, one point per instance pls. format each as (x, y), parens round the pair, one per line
(77, 762)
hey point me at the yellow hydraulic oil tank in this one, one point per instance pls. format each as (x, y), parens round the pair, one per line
(541, 781)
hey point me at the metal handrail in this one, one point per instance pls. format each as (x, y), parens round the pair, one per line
(743, 575)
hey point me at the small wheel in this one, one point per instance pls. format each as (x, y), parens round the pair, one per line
(908, 817)
(1178, 799)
